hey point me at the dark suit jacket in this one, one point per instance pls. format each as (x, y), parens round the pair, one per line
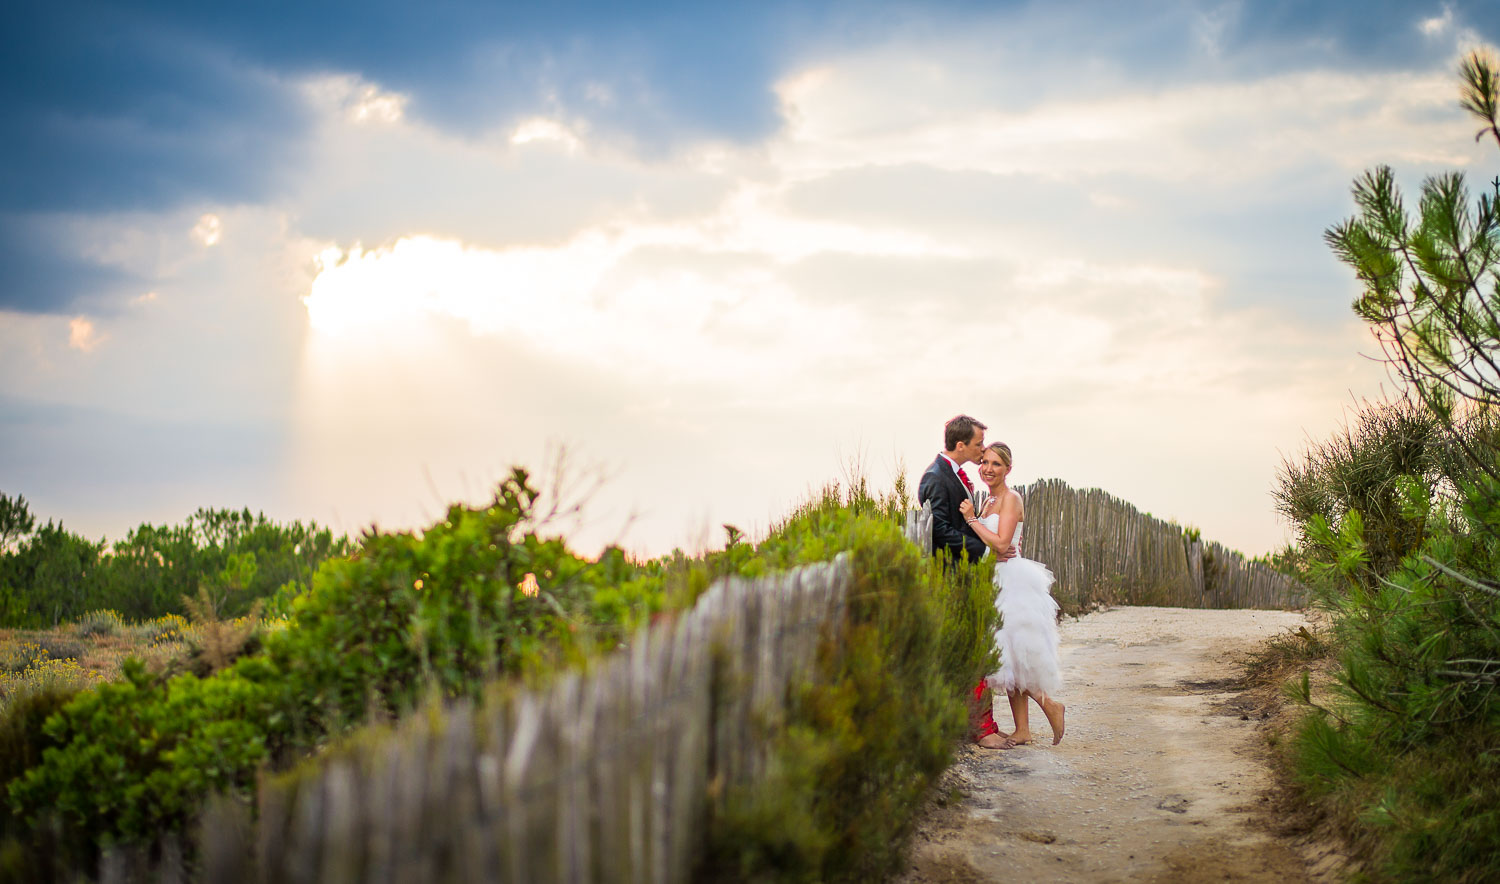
(950, 532)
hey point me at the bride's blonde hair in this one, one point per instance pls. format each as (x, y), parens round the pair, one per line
(1002, 450)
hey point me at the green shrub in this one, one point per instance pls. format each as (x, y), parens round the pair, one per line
(1390, 453)
(167, 628)
(27, 854)
(45, 674)
(1400, 520)
(17, 656)
(408, 616)
(446, 611)
(102, 622)
(21, 737)
(865, 742)
(135, 758)
(1406, 757)
(60, 647)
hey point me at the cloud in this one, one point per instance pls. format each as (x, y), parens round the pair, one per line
(44, 272)
(1222, 133)
(215, 338)
(180, 106)
(82, 335)
(1438, 24)
(717, 265)
(208, 231)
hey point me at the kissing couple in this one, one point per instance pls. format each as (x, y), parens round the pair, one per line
(970, 523)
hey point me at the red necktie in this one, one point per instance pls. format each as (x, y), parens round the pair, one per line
(965, 479)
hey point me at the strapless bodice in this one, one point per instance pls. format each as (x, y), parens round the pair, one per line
(992, 522)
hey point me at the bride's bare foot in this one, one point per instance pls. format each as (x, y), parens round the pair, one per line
(1055, 714)
(996, 741)
(1020, 738)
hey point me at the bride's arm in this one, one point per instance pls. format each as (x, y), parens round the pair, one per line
(999, 541)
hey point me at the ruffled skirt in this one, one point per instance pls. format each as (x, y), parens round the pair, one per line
(1027, 637)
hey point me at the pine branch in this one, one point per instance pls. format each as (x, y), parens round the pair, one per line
(1466, 581)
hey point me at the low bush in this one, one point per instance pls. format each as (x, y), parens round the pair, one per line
(477, 595)
(45, 674)
(30, 667)
(100, 623)
(22, 738)
(867, 738)
(1406, 758)
(17, 656)
(1413, 750)
(135, 758)
(169, 627)
(1287, 651)
(60, 647)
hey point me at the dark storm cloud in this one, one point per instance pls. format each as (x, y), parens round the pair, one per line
(40, 278)
(157, 105)
(166, 102)
(163, 104)
(1376, 34)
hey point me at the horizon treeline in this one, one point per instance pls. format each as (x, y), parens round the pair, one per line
(50, 576)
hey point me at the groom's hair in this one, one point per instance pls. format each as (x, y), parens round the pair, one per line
(960, 429)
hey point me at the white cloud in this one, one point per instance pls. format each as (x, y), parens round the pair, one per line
(1437, 25)
(208, 231)
(82, 335)
(591, 301)
(1228, 132)
(356, 100)
(541, 129)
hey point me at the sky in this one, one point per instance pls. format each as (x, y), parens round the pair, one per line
(689, 262)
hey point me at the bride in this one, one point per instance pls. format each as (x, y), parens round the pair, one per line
(1027, 637)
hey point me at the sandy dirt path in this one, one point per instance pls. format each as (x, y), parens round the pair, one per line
(1160, 776)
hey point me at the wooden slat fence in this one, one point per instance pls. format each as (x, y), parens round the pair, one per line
(605, 776)
(1102, 549)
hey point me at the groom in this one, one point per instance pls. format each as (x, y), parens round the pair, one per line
(946, 485)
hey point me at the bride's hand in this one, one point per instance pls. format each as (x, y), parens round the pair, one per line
(966, 507)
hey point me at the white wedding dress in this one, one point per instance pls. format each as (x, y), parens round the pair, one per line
(1027, 637)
